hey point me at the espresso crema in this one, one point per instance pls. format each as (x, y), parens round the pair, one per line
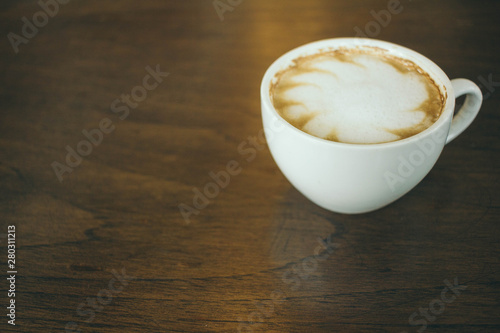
(357, 96)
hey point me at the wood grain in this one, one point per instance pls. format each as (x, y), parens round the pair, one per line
(252, 259)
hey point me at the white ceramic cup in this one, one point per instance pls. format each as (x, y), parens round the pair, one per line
(358, 178)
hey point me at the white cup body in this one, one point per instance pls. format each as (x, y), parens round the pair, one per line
(354, 178)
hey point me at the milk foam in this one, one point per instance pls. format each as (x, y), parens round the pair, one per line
(357, 98)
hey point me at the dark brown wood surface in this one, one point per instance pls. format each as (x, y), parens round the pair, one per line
(107, 249)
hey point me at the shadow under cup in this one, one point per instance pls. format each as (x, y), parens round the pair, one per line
(358, 178)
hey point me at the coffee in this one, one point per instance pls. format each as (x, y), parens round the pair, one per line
(359, 96)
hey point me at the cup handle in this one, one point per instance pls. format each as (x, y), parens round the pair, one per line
(464, 117)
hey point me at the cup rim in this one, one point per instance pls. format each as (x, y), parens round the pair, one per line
(428, 65)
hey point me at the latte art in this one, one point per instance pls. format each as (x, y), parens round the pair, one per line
(357, 96)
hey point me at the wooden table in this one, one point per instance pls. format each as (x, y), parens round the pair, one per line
(158, 96)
